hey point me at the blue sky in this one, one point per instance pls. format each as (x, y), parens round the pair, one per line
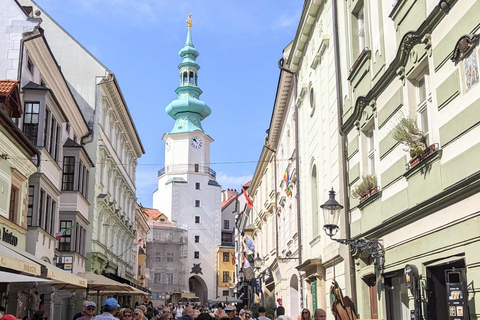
(239, 42)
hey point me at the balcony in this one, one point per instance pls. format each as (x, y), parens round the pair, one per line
(187, 168)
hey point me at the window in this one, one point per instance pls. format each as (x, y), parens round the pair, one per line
(197, 219)
(156, 278)
(169, 278)
(30, 65)
(314, 196)
(197, 167)
(226, 224)
(196, 255)
(227, 238)
(226, 276)
(421, 88)
(158, 257)
(30, 121)
(169, 257)
(13, 205)
(64, 244)
(226, 257)
(370, 151)
(197, 185)
(68, 173)
(225, 293)
(396, 296)
(197, 239)
(197, 203)
(31, 198)
(361, 30)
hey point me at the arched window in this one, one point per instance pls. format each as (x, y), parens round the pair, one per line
(192, 78)
(185, 77)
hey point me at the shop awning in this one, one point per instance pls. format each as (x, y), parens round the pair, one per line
(10, 259)
(97, 282)
(8, 277)
(50, 271)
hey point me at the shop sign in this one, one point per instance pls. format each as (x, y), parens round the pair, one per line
(8, 237)
(65, 263)
(410, 273)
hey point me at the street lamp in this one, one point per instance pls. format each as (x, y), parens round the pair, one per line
(331, 214)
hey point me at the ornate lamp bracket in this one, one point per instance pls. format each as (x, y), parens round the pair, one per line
(372, 246)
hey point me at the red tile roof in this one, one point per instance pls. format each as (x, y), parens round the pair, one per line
(153, 214)
(6, 87)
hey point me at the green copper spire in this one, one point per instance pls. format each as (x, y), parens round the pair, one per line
(188, 110)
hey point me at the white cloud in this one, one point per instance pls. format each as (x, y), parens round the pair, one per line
(286, 20)
(232, 182)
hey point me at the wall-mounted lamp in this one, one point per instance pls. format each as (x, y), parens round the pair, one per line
(331, 214)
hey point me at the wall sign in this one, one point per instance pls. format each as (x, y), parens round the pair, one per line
(9, 238)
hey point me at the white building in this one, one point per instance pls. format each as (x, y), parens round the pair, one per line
(188, 193)
(113, 145)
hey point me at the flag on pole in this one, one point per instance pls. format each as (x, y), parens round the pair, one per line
(64, 232)
(246, 264)
(246, 247)
(286, 177)
(135, 245)
(249, 242)
(249, 201)
(233, 257)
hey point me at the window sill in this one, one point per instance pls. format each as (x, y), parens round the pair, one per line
(370, 199)
(425, 163)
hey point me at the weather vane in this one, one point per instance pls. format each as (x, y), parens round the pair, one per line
(189, 21)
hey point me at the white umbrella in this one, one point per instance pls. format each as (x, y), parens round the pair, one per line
(226, 299)
(7, 277)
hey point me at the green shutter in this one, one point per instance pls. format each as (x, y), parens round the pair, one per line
(314, 295)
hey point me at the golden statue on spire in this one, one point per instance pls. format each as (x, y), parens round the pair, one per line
(189, 21)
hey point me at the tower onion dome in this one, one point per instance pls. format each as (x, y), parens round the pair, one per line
(188, 110)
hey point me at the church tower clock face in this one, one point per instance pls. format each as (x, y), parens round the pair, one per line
(196, 142)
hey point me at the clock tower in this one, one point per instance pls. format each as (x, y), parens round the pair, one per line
(188, 192)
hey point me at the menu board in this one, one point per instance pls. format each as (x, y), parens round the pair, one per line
(456, 301)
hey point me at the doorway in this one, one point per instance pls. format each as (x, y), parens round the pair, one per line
(436, 290)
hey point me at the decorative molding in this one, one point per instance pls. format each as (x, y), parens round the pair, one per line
(463, 47)
(321, 50)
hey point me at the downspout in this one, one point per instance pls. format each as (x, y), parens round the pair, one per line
(343, 136)
(297, 165)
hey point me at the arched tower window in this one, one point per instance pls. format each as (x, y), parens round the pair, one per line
(185, 77)
(191, 79)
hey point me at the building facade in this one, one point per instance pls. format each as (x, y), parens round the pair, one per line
(112, 143)
(188, 193)
(226, 251)
(414, 62)
(167, 249)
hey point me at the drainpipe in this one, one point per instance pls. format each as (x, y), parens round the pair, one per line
(297, 165)
(343, 136)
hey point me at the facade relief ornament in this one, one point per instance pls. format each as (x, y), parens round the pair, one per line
(427, 41)
(463, 47)
(401, 74)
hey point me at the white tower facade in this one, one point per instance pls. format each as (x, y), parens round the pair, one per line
(188, 193)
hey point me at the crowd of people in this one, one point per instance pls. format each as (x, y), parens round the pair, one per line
(111, 310)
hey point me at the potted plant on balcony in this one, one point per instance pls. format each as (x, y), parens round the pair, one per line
(366, 188)
(407, 133)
